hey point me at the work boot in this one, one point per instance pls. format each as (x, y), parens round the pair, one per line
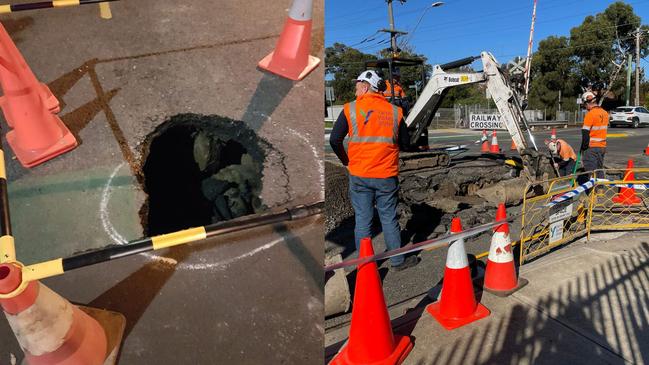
(409, 261)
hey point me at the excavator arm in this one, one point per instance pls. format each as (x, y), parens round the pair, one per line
(503, 95)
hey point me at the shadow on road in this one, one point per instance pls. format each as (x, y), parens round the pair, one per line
(271, 91)
(604, 311)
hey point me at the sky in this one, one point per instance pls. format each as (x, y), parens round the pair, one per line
(461, 28)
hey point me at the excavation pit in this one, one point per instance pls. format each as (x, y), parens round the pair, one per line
(198, 170)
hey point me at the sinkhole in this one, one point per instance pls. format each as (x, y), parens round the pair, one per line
(199, 170)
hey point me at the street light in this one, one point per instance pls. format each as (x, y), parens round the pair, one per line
(433, 5)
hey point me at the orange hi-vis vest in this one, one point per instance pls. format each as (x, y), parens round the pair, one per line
(566, 152)
(373, 136)
(398, 91)
(596, 121)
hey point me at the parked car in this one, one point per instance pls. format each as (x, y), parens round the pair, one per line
(634, 116)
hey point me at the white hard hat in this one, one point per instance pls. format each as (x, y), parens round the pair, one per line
(370, 77)
(588, 97)
(553, 146)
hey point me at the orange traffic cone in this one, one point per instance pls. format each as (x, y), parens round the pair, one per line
(291, 57)
(457, 305)
(626, 196)
(49, 329)
(38, 134)
(513, 146)
(553, 136)
(370, 338)
(485, 142)
(500, 276)
(646, 150)
(495, 148)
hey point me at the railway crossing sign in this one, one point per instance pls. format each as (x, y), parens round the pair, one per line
(516, 66)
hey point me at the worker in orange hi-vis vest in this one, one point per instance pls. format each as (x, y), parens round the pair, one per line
(399, 99)
(376, 132)
(593, 135)
(398, 90)
(567, 156)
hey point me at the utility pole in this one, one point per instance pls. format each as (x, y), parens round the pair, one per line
(393, 32)
(628, 79)
(637, 66)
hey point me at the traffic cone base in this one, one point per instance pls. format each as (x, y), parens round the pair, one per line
(627, 196)
(452, 323)
(29, 108)
(507, 292)
(31, 158)
(293, 74)
(403, 347)
(114, 325)
(290, 58)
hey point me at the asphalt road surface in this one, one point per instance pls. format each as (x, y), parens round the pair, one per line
(118, 80)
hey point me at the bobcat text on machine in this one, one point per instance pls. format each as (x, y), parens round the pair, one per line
(535, 164)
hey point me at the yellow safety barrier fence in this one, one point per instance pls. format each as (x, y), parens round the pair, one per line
(545, 226)
(620, 201)
(616, 199)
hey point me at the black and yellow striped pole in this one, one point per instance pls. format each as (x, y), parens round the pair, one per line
(59, 266)
(7, 248)
(11, 8)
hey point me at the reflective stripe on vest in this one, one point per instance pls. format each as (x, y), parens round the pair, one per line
(373, 132)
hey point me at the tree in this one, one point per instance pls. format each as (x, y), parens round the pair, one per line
(344, 63)
(586, 57)
(604, 39)
(554, 68)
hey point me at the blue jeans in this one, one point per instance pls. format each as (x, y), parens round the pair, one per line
(364, 192)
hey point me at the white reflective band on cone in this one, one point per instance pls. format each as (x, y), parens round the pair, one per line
(500, 250)
(41, 328)
(456, 257)
(301, 10)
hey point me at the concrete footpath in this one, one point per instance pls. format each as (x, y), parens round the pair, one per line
(585, 303)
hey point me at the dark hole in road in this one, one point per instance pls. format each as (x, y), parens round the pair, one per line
(200, 170)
